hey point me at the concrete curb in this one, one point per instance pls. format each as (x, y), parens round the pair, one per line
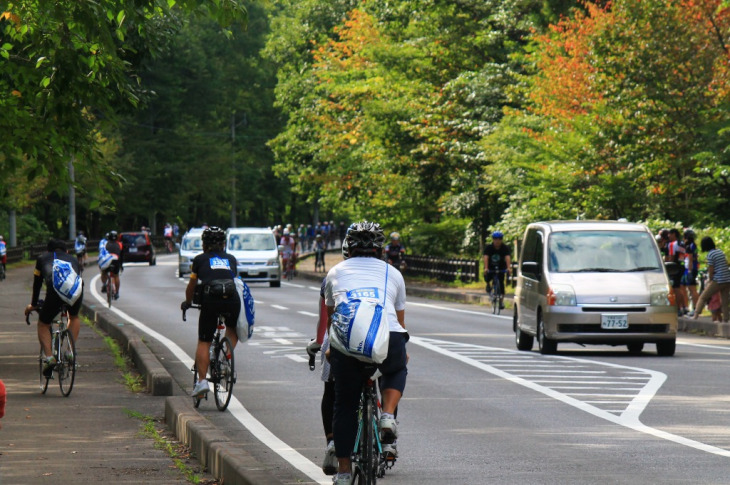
(225, 459)
(158, 381)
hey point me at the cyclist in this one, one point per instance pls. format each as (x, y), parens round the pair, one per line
(364, 268)
(395, 251)
(319, 250)
(3, 253)
(52, 303)
(113, 247)
(167, 233)
(497, 261)
(289, 251)
(80, 248)
(210, 272)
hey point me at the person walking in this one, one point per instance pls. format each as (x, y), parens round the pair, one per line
(718, 275)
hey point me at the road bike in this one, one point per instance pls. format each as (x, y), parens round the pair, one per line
(111, 288)
(221, 370)
(2, 271)
(496, 293)
(64, 350)
(289, 268)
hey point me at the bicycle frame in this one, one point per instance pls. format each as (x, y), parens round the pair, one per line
(65, 366)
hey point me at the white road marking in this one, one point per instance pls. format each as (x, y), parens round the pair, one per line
(458, 310)
(628, 417)
(308, 314)
(293, 285)
(297, 358)
(282, 341)
(235, 407)
(279, 307)
(315, 288)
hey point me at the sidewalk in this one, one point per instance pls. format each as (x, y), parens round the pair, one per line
(89, 436)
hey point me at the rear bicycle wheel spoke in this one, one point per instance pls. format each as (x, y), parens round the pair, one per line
(67, 363)
(225, 368)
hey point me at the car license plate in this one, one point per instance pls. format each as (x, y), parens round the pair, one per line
(253, 272)
(614, 321)
(132, 250)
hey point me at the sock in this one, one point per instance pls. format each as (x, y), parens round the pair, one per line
(387, 416)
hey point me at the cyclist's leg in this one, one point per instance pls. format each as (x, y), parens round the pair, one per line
(207, 324)
(233, 309)
(347, 374)
(74, 322)
(51, 307)
(104, 278)
(395, 370)
(489, 279)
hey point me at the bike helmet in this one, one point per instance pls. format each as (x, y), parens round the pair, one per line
(394, 236)
(365, 236)
(286, 232)
(213, 235)
(497, 235)
(113, 235)
(689, 234)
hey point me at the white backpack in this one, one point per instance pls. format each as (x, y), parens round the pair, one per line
(360, 326)
(67, 283)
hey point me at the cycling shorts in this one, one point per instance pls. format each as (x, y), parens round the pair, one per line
(113, 267)
(490, 279)
(208, 321)
(52, 305)
(689, 279)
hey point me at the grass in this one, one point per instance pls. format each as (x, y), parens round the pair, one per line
(173, 449)
(132, 380)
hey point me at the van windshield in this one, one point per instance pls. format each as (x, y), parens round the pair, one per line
(192, 243)
(602, 252)
(251, 242)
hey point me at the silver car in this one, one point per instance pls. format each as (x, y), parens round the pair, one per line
(191, 246)
(593, 282)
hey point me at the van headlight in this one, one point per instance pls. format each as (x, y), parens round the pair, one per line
(272, 262)
(659, 295)
(561, 295)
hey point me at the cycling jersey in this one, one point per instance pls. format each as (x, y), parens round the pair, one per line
(208, 267)
(3, 248)
(289, 244)
(394, 252)
(114, 247)
(497, 257)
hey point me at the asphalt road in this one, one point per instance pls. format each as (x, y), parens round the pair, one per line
(475, 409)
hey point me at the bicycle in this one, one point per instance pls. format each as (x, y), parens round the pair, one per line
(369, 460)
(64, 350)
(289, 268)
(496, 296)
(111, 289)
(2, 271)
(221, 370)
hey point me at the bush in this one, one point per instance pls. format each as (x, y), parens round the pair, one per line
(30, 230)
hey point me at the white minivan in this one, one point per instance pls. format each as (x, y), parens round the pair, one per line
(256, 252)
(190, 246)
(593, 282)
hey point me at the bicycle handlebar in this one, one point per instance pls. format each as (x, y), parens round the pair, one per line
(36, 309)
(197, 307)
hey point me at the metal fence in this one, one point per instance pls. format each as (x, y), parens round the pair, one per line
(32, 251)
(466, 270)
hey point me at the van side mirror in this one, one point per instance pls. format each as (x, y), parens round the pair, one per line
(531, 268)
(673, 269)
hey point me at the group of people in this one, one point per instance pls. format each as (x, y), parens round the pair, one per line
(307, 236)
(681, 248)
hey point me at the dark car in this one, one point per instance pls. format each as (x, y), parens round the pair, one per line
(137, 248)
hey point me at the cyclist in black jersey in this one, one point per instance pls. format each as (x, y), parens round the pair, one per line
(395, 251)
(211, 285)
(43, 273)
(497, 260)
(113, 246)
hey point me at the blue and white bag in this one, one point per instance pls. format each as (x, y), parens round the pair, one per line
(244, 328)
(360, 325)
(105, 259)
(66, 281)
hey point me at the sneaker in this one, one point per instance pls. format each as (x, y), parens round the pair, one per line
(388, 430)
(691, 314)
(390, 452)
(329, 466)
(200, 389)
(48, 366)
(342, 479)
(116, 295)
(103, 288)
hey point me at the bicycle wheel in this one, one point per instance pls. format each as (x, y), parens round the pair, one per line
(66, 368)
(196, 400)
(110, 291)
(495, 297)
(43, 380)
(225, 374)
(370, 456)
(2, 272)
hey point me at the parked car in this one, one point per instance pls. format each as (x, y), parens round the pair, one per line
(257, 254)
(137, 248)
(593, 282)
(190, 246)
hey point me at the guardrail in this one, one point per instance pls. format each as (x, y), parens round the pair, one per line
(466, 270)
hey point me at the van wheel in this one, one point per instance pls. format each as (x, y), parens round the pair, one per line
(523, 341)
(635, 348)
(546, 345)
(274, 284)
(666, 348)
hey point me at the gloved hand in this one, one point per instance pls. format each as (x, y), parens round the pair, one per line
(185, 306)
(313, 347)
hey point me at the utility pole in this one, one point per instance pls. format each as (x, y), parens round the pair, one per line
(233, 167)
(71, 201)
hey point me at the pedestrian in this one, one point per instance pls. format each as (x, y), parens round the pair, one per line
(715, 307)
(691, 269)
(675, 254)
(718, 275)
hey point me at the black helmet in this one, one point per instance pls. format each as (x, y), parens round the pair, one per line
(113, 235)
(213, 235)
(365, 235)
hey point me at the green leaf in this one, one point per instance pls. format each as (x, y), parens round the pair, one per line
(45, 82)
(120, 17)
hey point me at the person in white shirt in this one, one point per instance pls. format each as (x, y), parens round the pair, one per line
(365, 271)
